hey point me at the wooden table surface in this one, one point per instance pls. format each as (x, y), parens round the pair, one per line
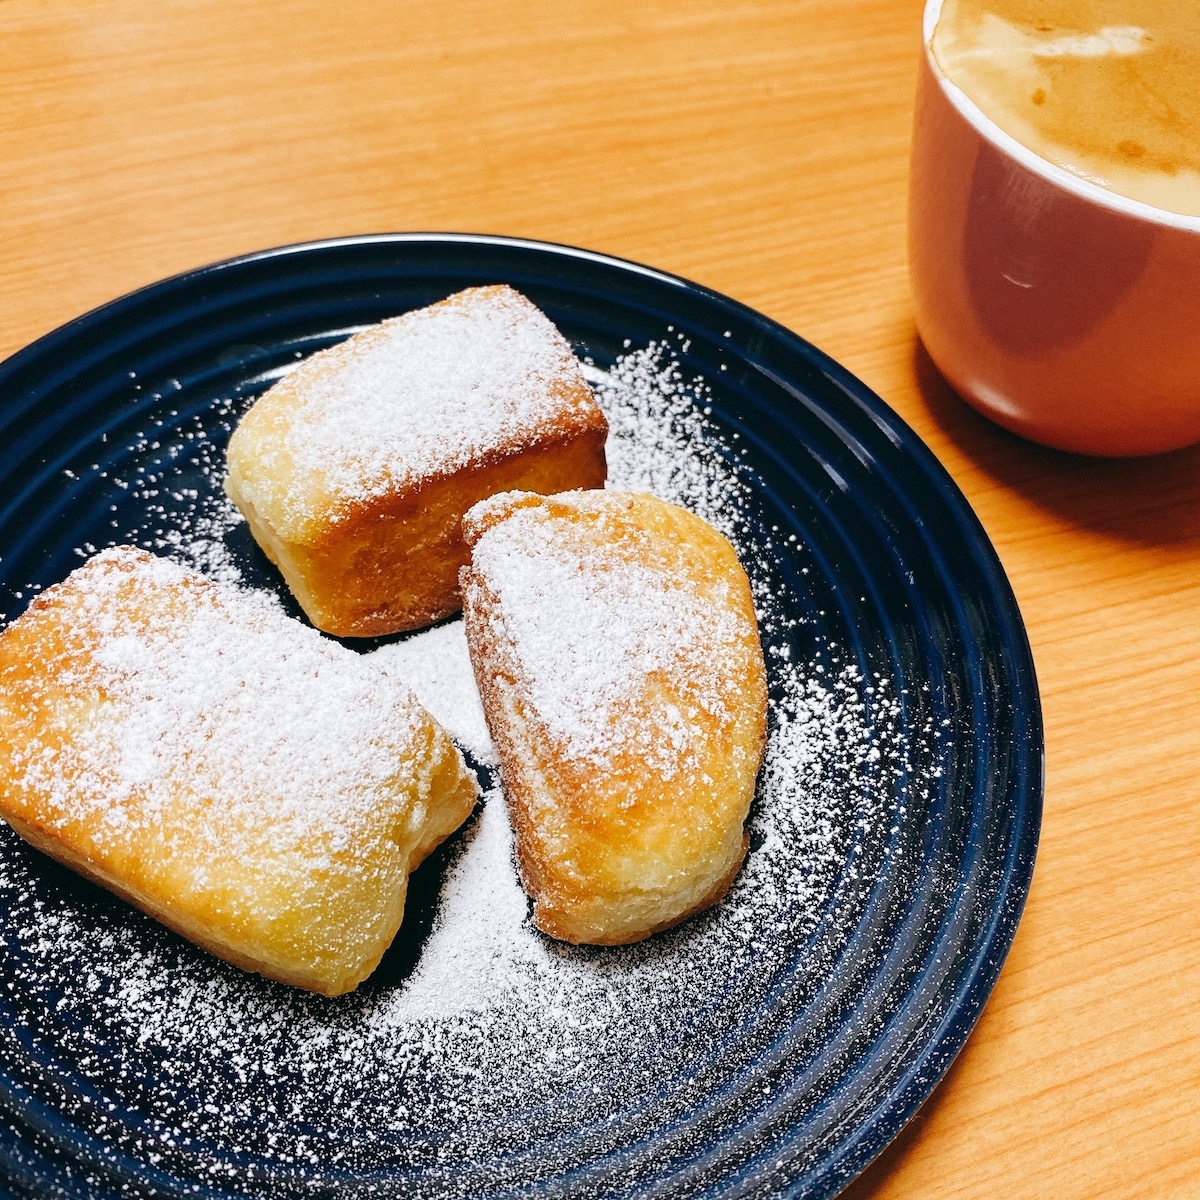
(759, 148)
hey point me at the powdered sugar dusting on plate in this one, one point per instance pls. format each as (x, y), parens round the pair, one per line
(433, 1074)
(436, 665)
(168, 470)
(481, 951)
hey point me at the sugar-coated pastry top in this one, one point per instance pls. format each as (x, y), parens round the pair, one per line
(617, 653)
(253, 784)
(592, 610)
(435, 391)
(248, 700)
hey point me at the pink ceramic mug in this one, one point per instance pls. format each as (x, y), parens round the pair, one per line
(1061, 310)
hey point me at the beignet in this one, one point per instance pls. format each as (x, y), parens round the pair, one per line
(354, 470)
(616, 650)
(253, 785)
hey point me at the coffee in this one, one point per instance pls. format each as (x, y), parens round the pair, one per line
(1107, 89)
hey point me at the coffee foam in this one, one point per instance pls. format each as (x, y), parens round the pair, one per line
(1105, 89)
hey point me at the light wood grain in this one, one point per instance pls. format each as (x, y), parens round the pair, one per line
(761, 149)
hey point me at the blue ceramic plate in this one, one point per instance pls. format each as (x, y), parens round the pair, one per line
(770, 1048)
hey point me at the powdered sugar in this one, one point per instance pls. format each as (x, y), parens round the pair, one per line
(436, 665)
(661, 441)
(481, 948)
(246, 701)
(586, 618)
(420, 396)
(167, 470)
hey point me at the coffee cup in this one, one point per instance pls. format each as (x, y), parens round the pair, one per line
(1059, 307)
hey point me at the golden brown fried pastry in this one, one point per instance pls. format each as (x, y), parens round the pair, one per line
(617, 653)
(253, 785)
(354, 470)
